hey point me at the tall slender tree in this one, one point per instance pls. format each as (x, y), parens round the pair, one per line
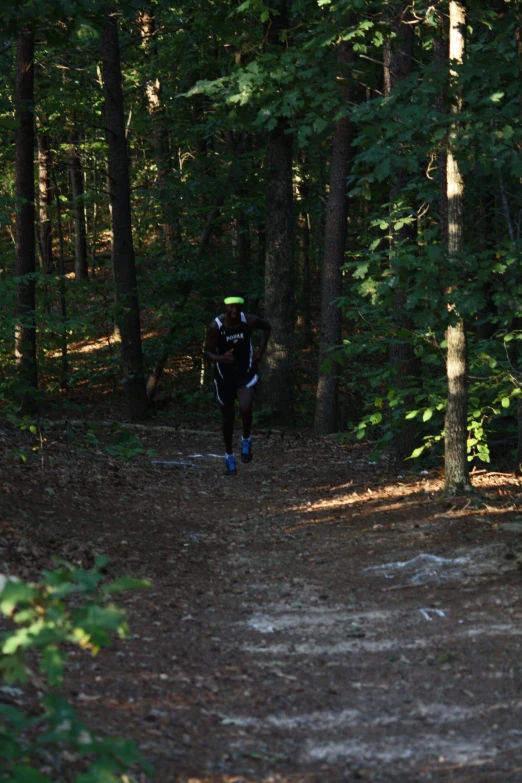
(124, 264)
(455, 453)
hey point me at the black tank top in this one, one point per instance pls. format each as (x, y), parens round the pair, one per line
(239, 339)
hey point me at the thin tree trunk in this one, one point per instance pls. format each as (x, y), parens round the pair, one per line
(81, 268)
(304, 320)
(455, 453)
(327, 400)
(25, 330)
(44, 202)
(277, 387)
(64, 370)
(277, 371)
(123, 256)
(304, 286)
(94, 236)
(160, 137)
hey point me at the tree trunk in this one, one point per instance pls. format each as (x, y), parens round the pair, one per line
(327, 400)
(455, 453)
(64, 370)
(44, 202)
(25, 330)
(81, 267)
(123, 250)
(278, 364)
(277, 389)
(304, 320)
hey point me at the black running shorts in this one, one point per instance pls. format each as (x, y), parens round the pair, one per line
(227, 382)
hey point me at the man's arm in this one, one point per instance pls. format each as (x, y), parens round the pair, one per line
(259, 323)
(211, 347)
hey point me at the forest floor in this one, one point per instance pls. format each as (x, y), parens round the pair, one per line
(315, 618)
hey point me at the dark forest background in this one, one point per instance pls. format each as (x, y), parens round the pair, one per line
(353, 167)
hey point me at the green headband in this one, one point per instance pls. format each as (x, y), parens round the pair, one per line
(234, 300)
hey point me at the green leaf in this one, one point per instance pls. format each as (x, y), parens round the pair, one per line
(505, 402)
(15, 593)
(25, 774)
(428, 413)
(14, 716)
(52, 664)
(101, 771)
(127, 583)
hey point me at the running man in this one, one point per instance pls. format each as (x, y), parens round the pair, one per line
(229, 347)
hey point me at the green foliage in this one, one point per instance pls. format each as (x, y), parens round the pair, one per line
(69, 606)
(494, 383)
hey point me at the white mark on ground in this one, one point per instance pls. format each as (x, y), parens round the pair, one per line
(365, 645)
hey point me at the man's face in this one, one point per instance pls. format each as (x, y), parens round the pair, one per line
(233, 311)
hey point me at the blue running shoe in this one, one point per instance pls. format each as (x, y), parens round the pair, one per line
(246, 449)
(230, 464)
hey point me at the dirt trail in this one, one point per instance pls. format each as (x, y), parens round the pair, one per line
(314, 618)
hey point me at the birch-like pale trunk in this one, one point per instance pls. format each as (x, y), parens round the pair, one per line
(44, 202)
(456, 468)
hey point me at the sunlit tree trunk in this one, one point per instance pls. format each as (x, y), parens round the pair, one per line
(327, 399)
(128, 315)
(44, 202)
(25, 330)
(455, 452)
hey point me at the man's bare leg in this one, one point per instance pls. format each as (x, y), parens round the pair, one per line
(246, 402)
(227, 426)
